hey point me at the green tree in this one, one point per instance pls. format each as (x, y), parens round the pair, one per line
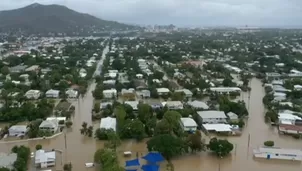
(144, 112)
(178, 96)
(195, 142)
(133, 129)
(67, 167)
(113, 140)
(168, 145)
(227, 83)
(120, 117)
(163, 127)
(4, 70)
(68, 124)
(96, 107)
(220, 147)
(173, 118)
(38, 147)
(269, 143)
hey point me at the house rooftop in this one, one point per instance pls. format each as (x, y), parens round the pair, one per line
(7, 160)
(188, 122)
(212, 114)
(108, 123)
(41, 156)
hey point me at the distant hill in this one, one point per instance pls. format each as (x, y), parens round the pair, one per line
(37, 18)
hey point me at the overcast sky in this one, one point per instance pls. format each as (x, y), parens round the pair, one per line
(184, 12)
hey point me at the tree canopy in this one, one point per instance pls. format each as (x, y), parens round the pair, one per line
(220, 147)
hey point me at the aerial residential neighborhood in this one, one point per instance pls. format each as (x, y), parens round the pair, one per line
(119, 97)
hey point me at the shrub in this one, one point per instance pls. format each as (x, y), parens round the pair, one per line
(68, 124)
(61, 122)
(269, 143)
(38, 147)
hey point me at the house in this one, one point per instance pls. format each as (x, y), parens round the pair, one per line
(72, 93)
(154, 104)
(17, 130)
(45, 159)
(58, 119)
(225, 89)
(52, 93)
(7, 160)
(32, 94)
(110, 93)
(162, 91)
(196, 104)
(212, 116)
(49, 125)
(104, 105)
(17, 69)
(109, 82)
(32, 68)
(232, 116)
(133, 104)
(187, 92)
(188, 124)
(278, 153)
(108, 123)
(139, 76)
(298, 87)
(218, 128)
(128, 92)
(144, 93)
(173, 105)
(82, 73)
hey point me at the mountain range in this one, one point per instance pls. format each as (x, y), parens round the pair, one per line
(38, 18)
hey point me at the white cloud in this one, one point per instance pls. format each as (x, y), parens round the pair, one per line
(184, 12)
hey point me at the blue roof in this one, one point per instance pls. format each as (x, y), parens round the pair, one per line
(134, 162)
(154, 157)
(150, 167)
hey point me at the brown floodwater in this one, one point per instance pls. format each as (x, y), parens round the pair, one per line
(80, 149)
(242, 157)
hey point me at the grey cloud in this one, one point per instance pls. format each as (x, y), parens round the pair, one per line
(184, 12)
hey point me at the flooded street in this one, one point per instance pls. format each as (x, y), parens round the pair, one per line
(80, 149)
(242, 156)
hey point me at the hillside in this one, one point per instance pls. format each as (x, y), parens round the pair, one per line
(37, 18)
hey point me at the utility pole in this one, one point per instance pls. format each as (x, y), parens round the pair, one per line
(248, 146)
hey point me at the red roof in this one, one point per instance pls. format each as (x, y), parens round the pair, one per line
(291, 127)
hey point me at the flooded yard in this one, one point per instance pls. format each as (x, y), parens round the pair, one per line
(79, 149)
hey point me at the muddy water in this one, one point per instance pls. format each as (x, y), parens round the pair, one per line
(80, 149)
(242, 157)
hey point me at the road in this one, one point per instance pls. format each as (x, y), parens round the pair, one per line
(101, 61)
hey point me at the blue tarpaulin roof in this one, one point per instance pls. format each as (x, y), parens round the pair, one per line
(150, 167)
(134, 162)
(154, 157)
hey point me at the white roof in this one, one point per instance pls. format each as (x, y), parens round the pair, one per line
(110, 91)
(163, 90)
(188, 122)
(133, 104)
(198, 104)
(211, 114)
(56, 118)
(41, 156)
(51, 91)
(218, 127)
(277, 150)
(225, 89)
(18, 128)
(287, 116)
(231, 114)
(108, 123)
(278, 94)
